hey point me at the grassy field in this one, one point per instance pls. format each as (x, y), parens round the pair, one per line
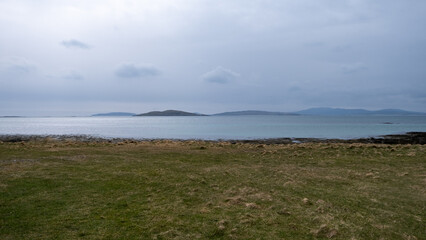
(211, 190)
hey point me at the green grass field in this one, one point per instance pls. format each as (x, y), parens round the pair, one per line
(211, 190)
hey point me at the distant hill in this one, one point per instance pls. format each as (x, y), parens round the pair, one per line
(252, 112)
(113, 114)
(353, 112)
(311, 111)
(169, 113)
(396, 112)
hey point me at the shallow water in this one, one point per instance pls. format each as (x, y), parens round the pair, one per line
(216, 127)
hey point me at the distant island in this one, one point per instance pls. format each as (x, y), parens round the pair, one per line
(113, 114)
(251, 113)
(170, 113)
(357, 112)
(325, 111)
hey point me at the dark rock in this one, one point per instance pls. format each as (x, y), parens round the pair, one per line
(407, 138)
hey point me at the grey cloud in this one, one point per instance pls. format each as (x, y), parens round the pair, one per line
(353, 67)
(73, 75)
(131, 70)
(304, 53)
(17, 65)
(75, 44)
(342, 48)
(315, 44)
(220, 75)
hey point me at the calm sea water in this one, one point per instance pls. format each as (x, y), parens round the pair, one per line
(216, 127)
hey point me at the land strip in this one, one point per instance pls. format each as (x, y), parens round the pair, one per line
(92, 188)
(406, 138)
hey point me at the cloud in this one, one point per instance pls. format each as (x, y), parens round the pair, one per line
(73, 75)
(75, 44)
(131, 70)
(17, 65)
(220, 75)
(314, 44)
(352, 68)
(283, 53)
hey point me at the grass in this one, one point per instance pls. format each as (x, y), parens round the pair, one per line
(211, 190)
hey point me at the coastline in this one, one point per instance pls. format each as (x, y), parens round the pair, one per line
(406, 138)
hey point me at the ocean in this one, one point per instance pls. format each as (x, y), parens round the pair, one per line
(215, 127)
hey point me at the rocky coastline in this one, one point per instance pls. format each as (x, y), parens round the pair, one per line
(406, 138)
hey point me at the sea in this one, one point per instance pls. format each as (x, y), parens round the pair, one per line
(216, 127)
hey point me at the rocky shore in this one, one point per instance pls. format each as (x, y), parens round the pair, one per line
(407, 138)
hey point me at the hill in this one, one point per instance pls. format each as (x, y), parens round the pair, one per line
(113, 114)
(252, 112)
(354, 112)
(169, 113)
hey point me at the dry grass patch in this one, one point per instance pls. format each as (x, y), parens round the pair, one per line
(167, 189)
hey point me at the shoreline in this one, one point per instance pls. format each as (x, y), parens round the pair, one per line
(406, 138)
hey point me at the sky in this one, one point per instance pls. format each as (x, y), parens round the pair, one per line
(63, 58)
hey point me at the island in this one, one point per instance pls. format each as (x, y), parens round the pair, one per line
(325, 111)
(113, 114)
(358, 112)
(168, 113)
(252, 113)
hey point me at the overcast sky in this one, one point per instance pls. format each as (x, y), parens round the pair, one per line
(82, 57)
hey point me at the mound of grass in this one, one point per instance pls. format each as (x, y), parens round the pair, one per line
(211, 190)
